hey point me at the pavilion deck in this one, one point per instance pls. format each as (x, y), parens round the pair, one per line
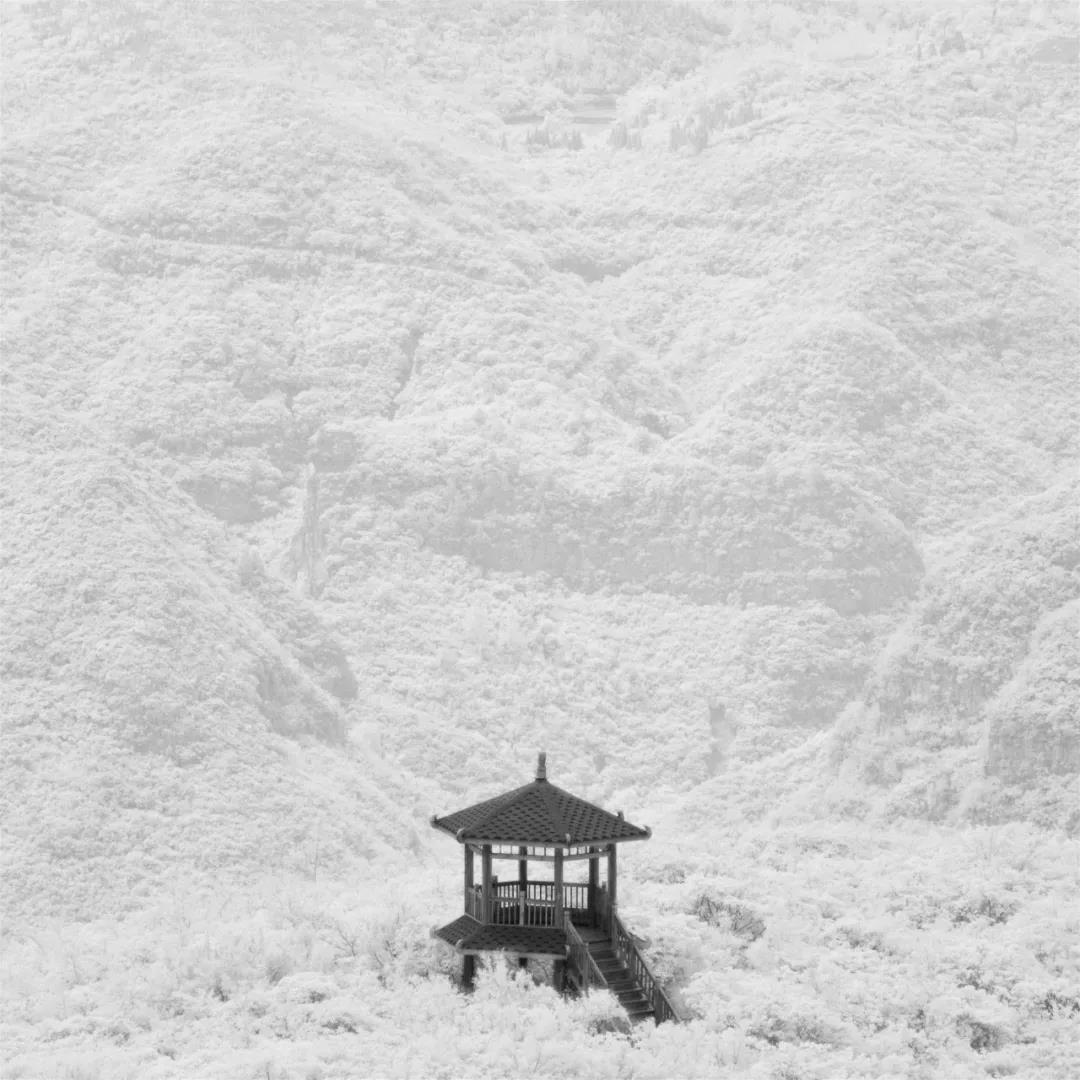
(522, 920)
(468, 936)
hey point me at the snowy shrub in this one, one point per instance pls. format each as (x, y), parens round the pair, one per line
(995, 910)
(732, 915)
(984, 1036)
(777, 1023)
(1054, 1004)
(278, 965)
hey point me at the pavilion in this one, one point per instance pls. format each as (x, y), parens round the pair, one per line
(573, 924)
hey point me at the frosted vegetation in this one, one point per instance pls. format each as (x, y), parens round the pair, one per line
(392, 392)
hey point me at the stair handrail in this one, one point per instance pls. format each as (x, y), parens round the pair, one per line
(634, 962)
(582, 962)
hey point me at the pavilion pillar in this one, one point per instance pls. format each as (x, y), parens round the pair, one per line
(594, 883)
(468, 969)
(487, 908)
(558, 886)
(470, 902)
(523, 890)
(612, 877)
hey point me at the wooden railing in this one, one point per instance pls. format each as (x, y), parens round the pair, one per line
(519, 908)
(532, 906)
(575, 894)
(581, 966)
(634, 962)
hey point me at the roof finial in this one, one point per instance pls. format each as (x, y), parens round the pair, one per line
(541, 767)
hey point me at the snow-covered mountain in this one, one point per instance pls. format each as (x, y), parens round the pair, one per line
(392, 391)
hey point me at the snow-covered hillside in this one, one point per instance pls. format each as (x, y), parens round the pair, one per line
(392, 391)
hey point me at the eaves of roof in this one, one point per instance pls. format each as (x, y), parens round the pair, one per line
(539, 813)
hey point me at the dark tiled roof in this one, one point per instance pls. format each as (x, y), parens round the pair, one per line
(467, 935)
(538, 813)
(458, 930)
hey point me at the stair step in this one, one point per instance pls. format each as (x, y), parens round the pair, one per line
(613, 975)
(620, 981)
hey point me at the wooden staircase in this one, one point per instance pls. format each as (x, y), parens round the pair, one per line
(606, 958)
(620, 981)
